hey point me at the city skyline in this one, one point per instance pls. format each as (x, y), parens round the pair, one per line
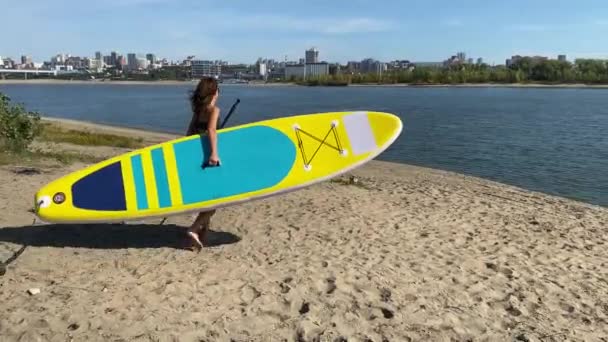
(354, 31)
(132, 57)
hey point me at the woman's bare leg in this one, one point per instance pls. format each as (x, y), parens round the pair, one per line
(206, 224)
(198, 229)
(194, 230)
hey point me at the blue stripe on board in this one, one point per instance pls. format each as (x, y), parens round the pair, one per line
(140, 183)
(162, 181)
(253, 158)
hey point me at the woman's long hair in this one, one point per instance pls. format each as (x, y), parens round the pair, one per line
(202, 95)
(200, 99)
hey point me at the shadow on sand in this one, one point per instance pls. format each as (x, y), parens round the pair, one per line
(108, 236)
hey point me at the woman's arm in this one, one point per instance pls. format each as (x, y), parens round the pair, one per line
(212, 133)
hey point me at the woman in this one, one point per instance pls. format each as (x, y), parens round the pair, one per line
(205, 117)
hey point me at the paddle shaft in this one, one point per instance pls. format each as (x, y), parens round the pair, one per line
(230, 112)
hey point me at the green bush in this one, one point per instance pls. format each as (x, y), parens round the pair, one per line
(18, 127)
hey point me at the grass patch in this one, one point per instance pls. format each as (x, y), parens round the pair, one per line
(53, 133)
(38, 157)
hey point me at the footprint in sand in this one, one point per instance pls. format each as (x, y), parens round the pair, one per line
(327, 285)
(388, 314)
(385, 295)
(304, 309)
(249, 294)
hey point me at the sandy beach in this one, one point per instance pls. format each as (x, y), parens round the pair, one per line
(403, 254)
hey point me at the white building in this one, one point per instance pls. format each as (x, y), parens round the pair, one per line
(307, 70)
(142, 63)
(201, 68)
(294, 70)
(317, 69)
(95, 65)
(262, 69)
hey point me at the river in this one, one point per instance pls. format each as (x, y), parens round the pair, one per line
(551, 140)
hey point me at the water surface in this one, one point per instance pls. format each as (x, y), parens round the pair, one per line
(549, 140)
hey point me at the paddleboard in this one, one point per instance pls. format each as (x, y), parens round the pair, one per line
(258, 160)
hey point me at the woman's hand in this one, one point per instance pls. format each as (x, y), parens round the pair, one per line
(214, 159)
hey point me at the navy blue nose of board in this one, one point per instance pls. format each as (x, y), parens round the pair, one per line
(101, 190)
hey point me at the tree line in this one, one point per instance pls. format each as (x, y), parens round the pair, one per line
(524, 70)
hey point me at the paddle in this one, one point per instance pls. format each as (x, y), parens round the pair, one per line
(232, 109)
(230, 113)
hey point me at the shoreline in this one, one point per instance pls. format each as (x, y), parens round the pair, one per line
(108, 128)
(487, 85)
(291, 84)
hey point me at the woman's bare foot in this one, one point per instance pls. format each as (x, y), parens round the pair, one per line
(196, 243)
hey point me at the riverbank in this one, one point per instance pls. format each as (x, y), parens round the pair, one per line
(107, 82)
(285, 84)
(486, 85)
(404, 253)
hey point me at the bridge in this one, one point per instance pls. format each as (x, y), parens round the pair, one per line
(25, 72)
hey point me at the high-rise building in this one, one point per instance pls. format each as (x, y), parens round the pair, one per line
(312, 56)
(461, 56)
(98, 55)
(61, 58)
(121, 61)
(353, 67)
(370, 65)
(113, 58)
(132, 61)
(151, 58)
(26, 60)
(561, 58)
(479, 60)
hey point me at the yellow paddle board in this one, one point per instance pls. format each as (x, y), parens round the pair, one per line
(258, 160)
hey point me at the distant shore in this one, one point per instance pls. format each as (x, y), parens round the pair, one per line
(485, 85)
(58, 81)
(279, 84)
(97, 82)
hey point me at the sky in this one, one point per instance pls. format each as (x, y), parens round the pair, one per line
(240, 31)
